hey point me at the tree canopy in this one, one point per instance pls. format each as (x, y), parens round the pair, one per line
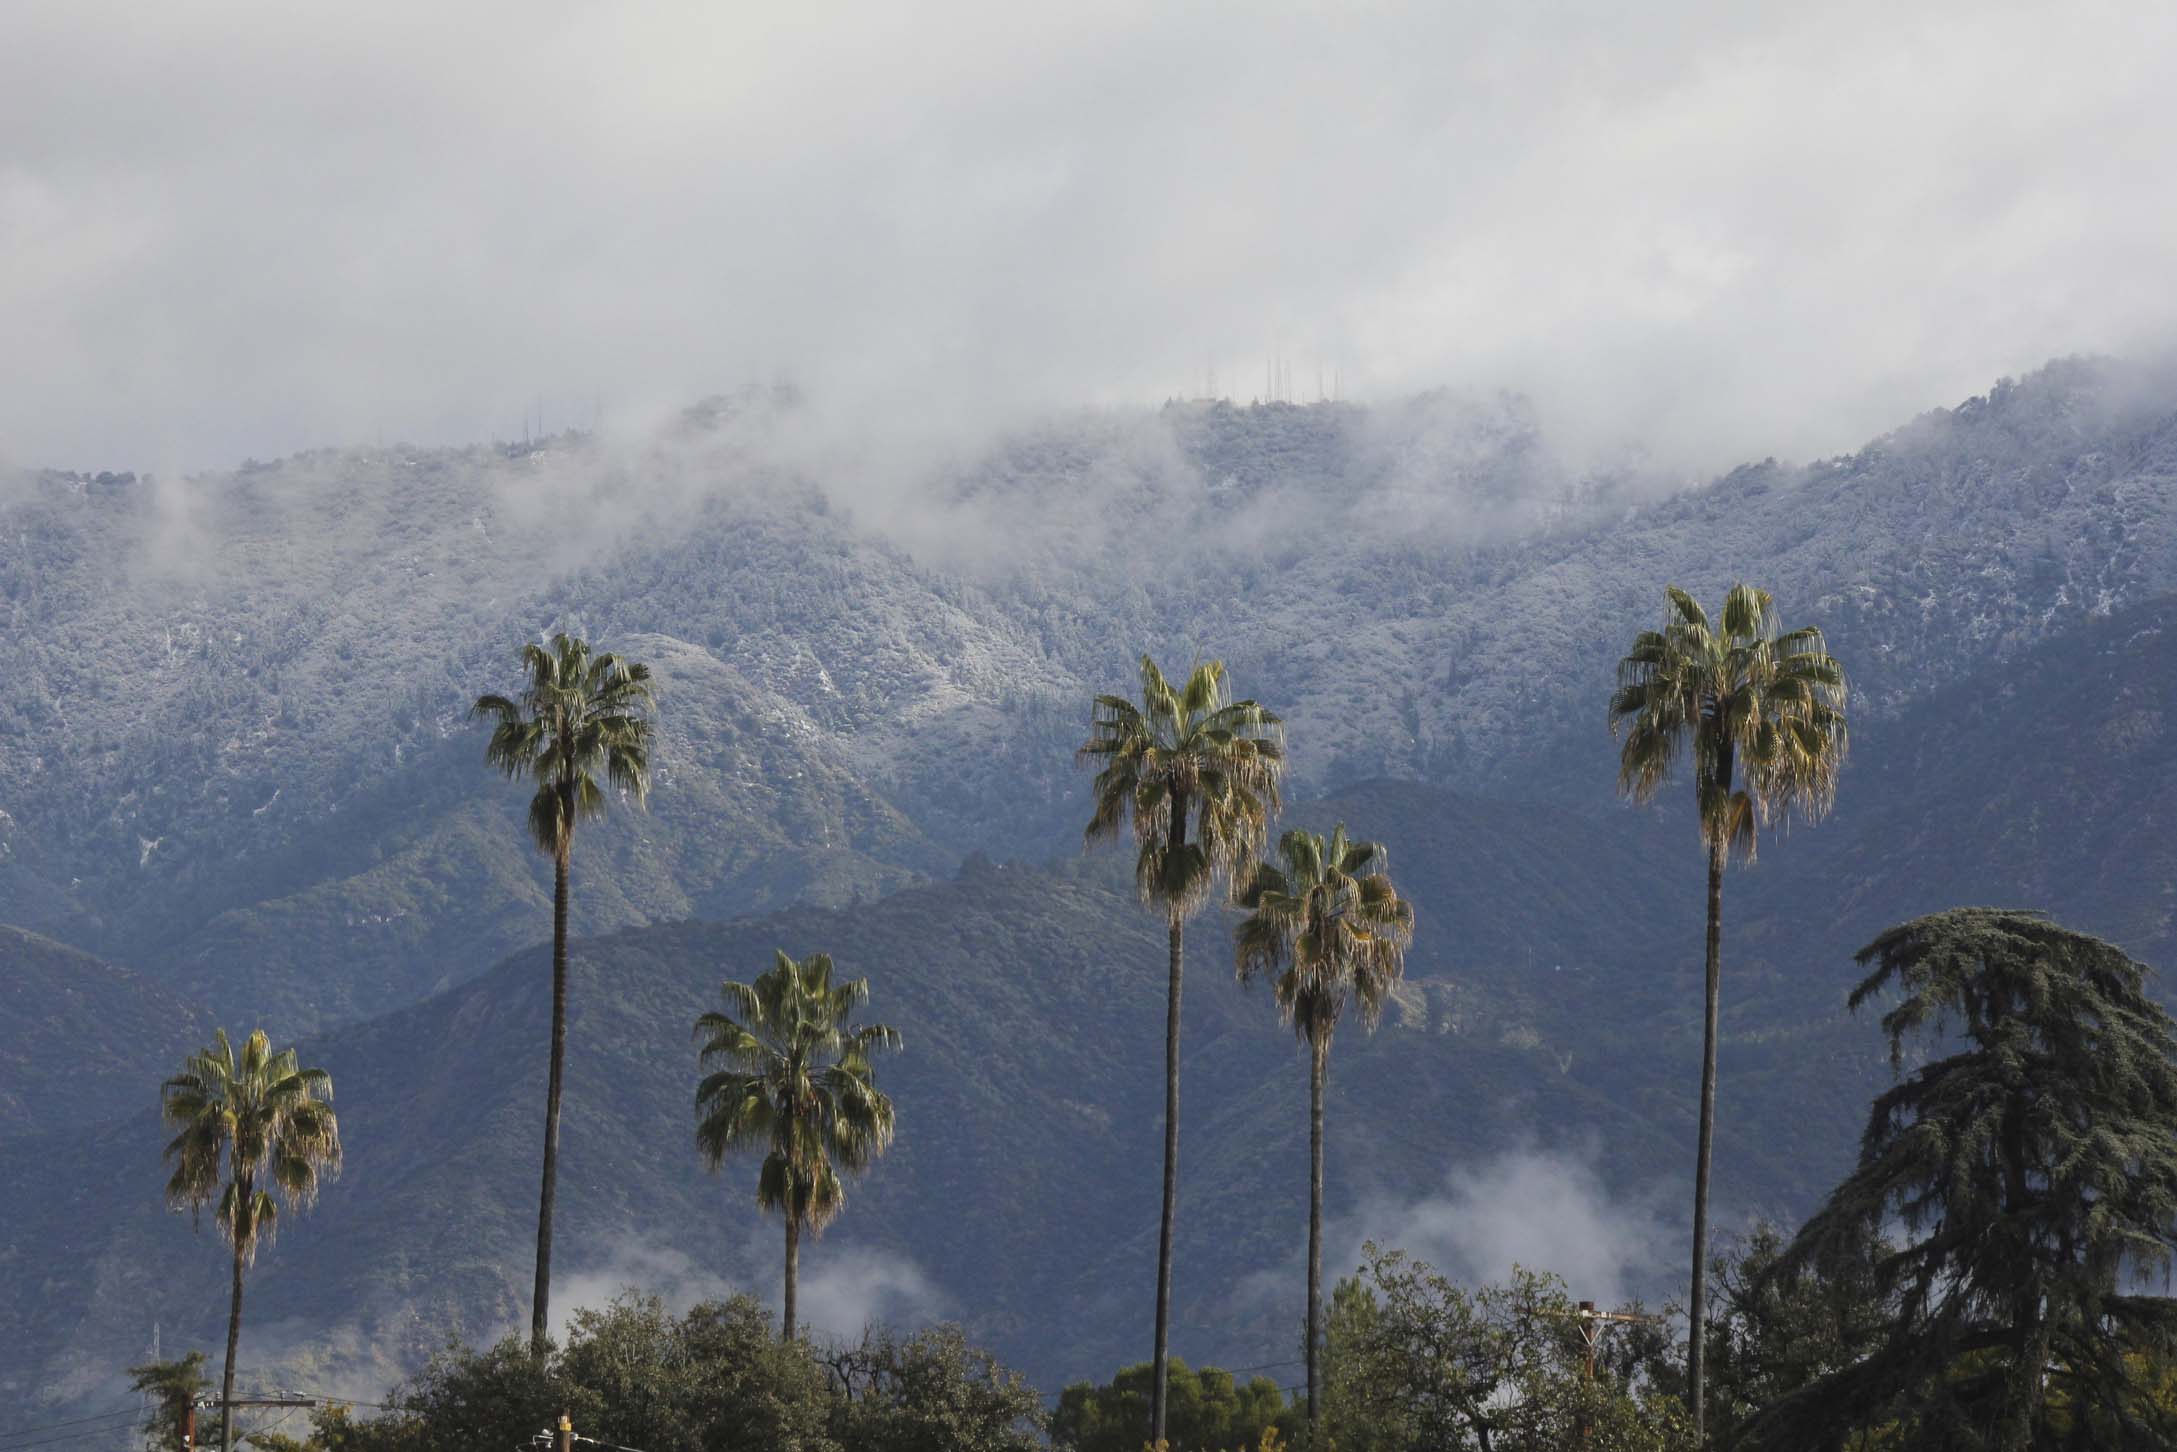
(1197, 774)
(581, 714)
(713, 1379)
(2031, 1160)
(1745, 700)
(1419, 1364)
(1208, 1410)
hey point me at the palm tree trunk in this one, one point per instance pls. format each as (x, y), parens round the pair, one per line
(1171, 1178)
(1318, 1071)
(540, 1299)
(234, 1340)
(1697, 1335)
(789, 1326)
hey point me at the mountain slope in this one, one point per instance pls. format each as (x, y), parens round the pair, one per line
(1024, 1176)
(84, 1037)
(239, 761)
(1552, 997)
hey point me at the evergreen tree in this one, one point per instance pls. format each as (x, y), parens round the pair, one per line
(1211, 1410)
(1773, 1331)
(580, 714)
(1197, 774)
(1762, 715)
(172, 1387)
(2032, 1160)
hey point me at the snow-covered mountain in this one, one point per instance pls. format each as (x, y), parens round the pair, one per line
(238, 760)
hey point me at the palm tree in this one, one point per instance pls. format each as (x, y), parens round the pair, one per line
(1185, 758)
(271, 1124)
(1762, 715)
(796, 1079)
(580, 714)
(1332, 928)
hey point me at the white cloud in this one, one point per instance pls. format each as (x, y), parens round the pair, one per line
(238, 227)
(1544, 1209)
(845, 1287)
(636, 1265)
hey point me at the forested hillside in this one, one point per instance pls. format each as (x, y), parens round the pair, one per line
(83, 1036)
(1030, 1000)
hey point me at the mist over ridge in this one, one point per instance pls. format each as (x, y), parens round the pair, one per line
(873, 665)
(247, 231)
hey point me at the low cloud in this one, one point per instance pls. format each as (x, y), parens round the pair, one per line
(641, 1266)
(1541, 1209)
(844, 1287)
(233, 231)
(850, 1288)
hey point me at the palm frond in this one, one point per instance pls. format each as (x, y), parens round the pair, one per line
(581, 716)
(801, 1084)
(248, 1125)
(1758, 713)
(1327, 921)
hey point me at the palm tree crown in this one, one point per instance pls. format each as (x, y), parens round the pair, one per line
(1743, 699)
(249, 1126)
(795, 1079)
(580, 714)
(1197, 774)
(1328, 922)
(252, 1130)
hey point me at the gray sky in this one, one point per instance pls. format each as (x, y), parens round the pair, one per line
(1727, 229)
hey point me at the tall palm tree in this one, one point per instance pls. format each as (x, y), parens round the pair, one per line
(1761, 714)
(580, 714)
(1184, 759)
(1327, 921)
(249, 1128)
(796, 1080)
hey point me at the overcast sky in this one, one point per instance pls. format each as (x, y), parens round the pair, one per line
(1727, 229)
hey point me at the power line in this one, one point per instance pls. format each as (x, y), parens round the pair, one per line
(76, 1422)
(613, 1446)
(274, 1427)
(78, 1436)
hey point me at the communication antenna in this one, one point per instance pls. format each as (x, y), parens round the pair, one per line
(144, 1400)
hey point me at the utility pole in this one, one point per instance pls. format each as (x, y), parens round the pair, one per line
(228, 1409)
(189, 1427)
(564, 1442)
(1592, 1323)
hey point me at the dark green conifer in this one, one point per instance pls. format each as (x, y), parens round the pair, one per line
(2031, 1160)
